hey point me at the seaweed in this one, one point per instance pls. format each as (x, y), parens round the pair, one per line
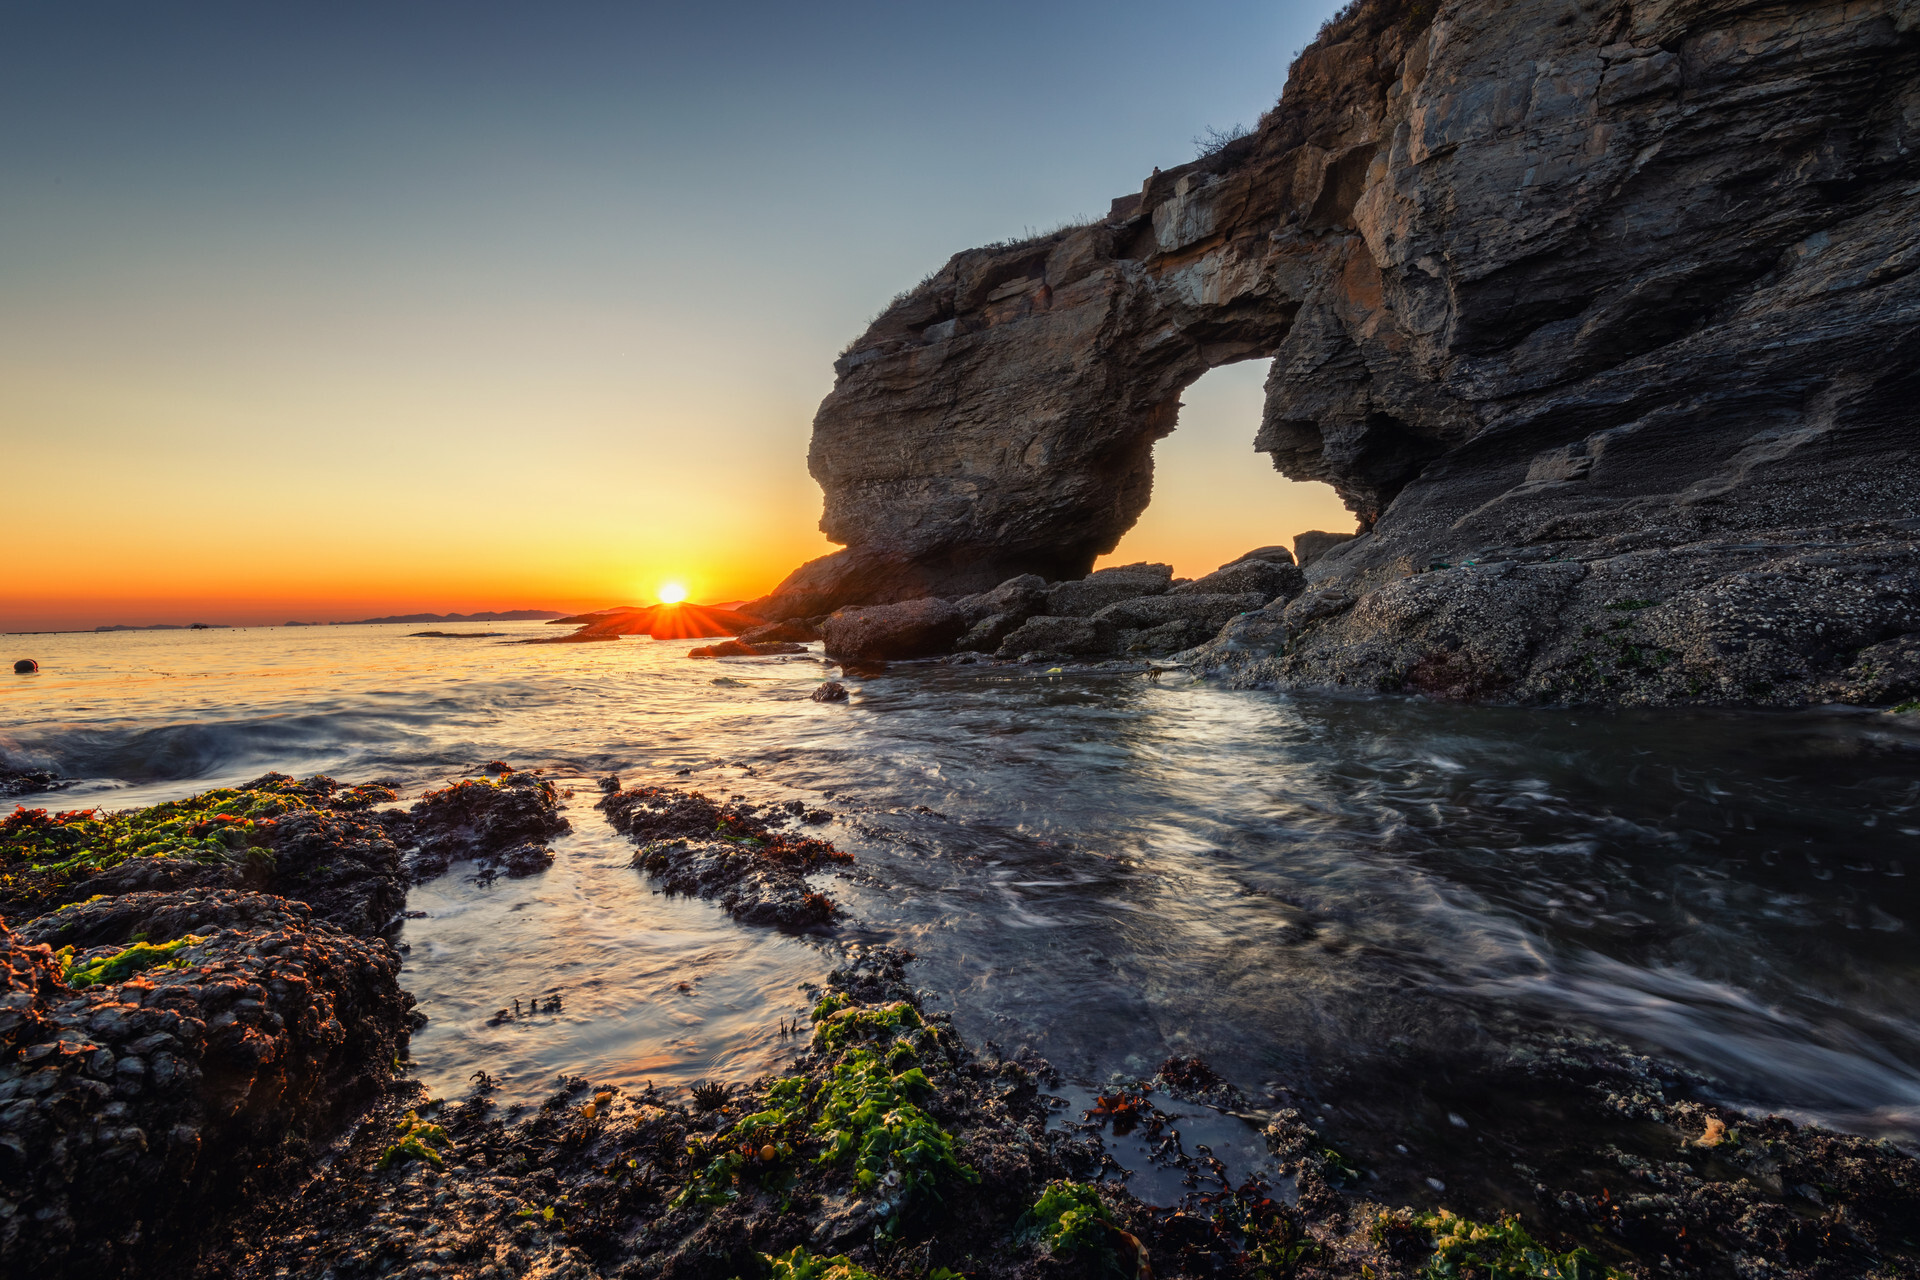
(868, 1116)
(122, 965)
(1467, 1250)
(217, 826)
(864, 1116)
(799, 1264)
(1068, 1217)
(842, 1026)
(418, 1141)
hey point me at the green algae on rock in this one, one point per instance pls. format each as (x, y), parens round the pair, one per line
(1069, 1217)
(101, 970)
(419, 1140)
(798, 1264)
(1463, 1249)
(312, 840)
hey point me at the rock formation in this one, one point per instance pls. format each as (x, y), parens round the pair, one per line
(1606, 311)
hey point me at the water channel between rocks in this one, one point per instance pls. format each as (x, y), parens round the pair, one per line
(1334, 902)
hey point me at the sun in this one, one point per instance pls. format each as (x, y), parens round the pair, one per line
(672, 593)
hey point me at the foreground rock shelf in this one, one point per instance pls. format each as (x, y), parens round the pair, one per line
(200, 1081)
(1589, 306)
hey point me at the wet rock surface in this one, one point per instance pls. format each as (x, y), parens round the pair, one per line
(148, 1073)
(187, 1003)
(731, 852)
(745, 649)
(1599, 1166)
(480, 820)
(21, 782)
(316, 841)
(795, 631)
(1441, 236)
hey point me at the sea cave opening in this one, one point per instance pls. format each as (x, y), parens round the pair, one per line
(1214, 498)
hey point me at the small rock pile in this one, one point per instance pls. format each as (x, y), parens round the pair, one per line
(1129, 610)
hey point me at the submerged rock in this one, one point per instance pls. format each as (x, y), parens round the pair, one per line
(893, 1146)
(742, 649)
(21, 782)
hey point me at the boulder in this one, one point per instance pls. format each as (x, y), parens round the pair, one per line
(1270, 579)
(1168, 637)
(794, 630)
(1077, 637)
(1207, 612)
(25, 667)
(829, 691)
(913, 629)
(1017, 598)
(1274, 555)
(1096, 591)
(985, 635)
(1314, 543)
(1261, 633)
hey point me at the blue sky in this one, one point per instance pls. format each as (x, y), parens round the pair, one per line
(375, 285)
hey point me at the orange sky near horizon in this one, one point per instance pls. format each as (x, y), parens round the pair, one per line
(564, 528)
(319, 313)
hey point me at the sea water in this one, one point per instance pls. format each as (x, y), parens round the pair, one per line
(1102, 869)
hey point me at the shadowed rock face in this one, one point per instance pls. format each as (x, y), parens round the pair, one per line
(1577, 279)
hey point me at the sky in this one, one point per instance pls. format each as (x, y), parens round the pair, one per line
(325, 311)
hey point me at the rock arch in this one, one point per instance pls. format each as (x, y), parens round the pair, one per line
(1000, 418)
(1606, 294)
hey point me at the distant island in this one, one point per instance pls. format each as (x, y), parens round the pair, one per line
(168, 626)
(499, 615)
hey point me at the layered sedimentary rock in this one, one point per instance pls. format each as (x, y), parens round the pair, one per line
(1607, 308)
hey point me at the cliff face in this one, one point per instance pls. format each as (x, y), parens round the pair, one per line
(1607, 308)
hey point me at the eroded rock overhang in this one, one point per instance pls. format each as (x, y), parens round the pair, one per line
(1533, 274)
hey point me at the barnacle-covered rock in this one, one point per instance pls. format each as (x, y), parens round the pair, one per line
(161, 1047)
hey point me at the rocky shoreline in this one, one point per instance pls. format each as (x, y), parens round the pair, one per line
(1611, 624)
(221, 1042)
